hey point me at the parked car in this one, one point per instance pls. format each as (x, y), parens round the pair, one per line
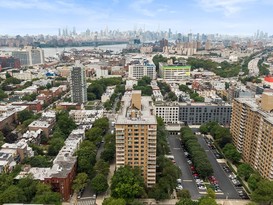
(179, 181)
(179, 187)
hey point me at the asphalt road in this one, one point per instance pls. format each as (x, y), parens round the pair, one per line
(224, 182)
(181, 162)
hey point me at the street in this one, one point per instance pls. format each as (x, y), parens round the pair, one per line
(224, 182)
(181, 162)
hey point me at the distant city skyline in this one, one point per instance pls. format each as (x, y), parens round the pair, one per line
(235, 17)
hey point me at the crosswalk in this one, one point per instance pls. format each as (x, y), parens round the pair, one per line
(86, 201)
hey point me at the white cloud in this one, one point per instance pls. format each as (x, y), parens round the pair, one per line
(228, 6)
(140, 6)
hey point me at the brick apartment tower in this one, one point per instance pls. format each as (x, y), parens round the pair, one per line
(136, 128)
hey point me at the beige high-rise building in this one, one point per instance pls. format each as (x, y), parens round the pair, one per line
(136, 128)
(252, 132)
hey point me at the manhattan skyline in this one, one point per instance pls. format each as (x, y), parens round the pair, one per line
(235, 17)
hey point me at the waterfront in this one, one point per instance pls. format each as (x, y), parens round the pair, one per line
(53, 51)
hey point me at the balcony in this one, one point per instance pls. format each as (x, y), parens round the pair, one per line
(120, 163)
(152, 175)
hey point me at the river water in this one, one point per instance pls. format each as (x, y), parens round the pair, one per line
(51, 52)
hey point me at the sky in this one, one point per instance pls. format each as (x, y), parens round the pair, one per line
(235, 17)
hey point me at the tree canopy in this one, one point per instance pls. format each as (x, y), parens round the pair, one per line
(127, 183)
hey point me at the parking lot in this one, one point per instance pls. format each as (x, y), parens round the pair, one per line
(227, 187)
(224, 185)
(187, 180)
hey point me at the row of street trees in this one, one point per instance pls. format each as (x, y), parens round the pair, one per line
(223, 139)
(89, 169)
(167, 171)
(118, 93)
(197, 153)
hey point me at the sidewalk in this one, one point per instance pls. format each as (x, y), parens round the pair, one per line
(101, 197)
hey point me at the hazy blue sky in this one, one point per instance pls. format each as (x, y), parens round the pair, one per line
(203, 16)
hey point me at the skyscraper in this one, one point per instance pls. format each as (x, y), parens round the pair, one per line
(136, 128)
(78, 84)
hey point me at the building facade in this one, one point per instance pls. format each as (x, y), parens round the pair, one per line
(194, 113)
(78, 84)
(174, 72)
(30, 56)
(136, 128)
(252, 132)
(144, 68)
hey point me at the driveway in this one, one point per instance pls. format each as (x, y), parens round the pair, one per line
(224, 182)
(181, 162)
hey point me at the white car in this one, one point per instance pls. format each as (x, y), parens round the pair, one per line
(179, 187)
(199, 181)
(179, 181)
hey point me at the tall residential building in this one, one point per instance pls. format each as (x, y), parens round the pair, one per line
(174, 71)
(78, 84)
(252, 132)
(136, 128)
(142, 67)
(30, 56)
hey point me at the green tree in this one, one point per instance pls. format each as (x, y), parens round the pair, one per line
(127, 183)
(184, 194)
(94, 134)
(55, 145)
(25, 115)
(108, 153)
(113, 201)
(3, 95)
(207, 201)
(39, 161)
(91, 96)
(86, 157)
(211, 193)
(157, 59)
(263, 193)
(244, 170)
(65, 123)
(186, 202)
(5, 181)
(253, 181)
(99, 183)
(2, 138)
(107, 105)
(79, 183)
(44, 195)
(204, 129)
(231, 153)
(102, 123)
(30, 97)
(172, 96)
(12, 194)
(28, 185)
(102, 167)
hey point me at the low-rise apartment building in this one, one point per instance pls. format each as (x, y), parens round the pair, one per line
(193, 113)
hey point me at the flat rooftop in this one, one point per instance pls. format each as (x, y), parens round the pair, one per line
(143, 116)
